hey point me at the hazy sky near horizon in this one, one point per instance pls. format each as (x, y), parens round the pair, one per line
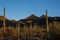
(19, 9)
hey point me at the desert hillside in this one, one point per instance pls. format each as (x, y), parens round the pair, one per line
(31, 28)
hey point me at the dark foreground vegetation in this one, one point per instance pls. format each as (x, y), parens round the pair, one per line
(31, 28)
(31, 33)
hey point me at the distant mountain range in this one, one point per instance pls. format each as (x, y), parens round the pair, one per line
(31, 20)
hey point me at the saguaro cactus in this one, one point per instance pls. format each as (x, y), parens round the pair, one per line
(47, 21)
(47, 24)
(4, 20)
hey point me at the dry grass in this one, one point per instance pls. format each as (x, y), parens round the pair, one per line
(35, 33)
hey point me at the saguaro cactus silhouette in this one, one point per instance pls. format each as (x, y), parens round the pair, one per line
(47, 21)
(4, 19)
(47, 24)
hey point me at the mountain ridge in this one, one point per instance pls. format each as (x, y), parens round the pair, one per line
(32, 19)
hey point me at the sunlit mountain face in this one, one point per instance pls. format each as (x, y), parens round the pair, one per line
(1, 17)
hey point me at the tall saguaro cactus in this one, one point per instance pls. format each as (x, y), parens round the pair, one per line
(47, 21)
(4, 19)
(47, 24)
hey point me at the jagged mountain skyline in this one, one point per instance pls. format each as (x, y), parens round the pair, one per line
(32, 19)
(32, 16)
